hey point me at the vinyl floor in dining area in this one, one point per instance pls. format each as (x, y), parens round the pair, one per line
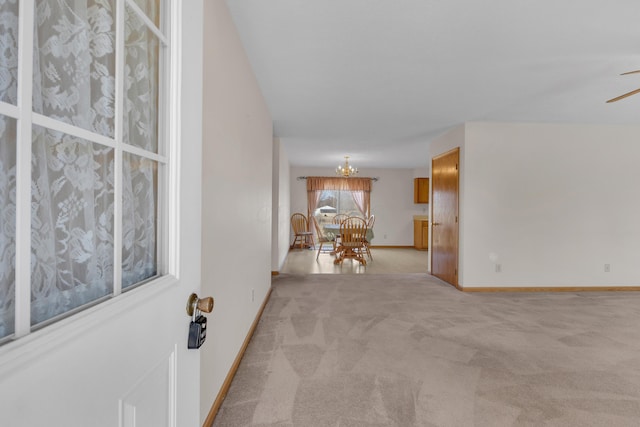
(382, 261)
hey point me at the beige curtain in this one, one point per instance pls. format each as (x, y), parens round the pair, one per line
(360, 189)
(312, 202)
(362, 200)
(319, 183)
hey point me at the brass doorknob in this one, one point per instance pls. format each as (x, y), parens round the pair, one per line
(433, 224)
(203, 304)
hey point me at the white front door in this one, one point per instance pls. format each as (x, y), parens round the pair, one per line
(125, 362)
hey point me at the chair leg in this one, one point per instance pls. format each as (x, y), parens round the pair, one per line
(321, 243)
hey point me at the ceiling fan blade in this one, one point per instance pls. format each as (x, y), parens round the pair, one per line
(630, 72)
(618, 98)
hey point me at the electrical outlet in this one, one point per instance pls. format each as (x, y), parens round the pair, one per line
(498, 268)
(607, 268)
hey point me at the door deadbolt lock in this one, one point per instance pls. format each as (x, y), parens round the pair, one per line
(198, 324)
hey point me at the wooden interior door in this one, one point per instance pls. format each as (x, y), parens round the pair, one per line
(444, 216)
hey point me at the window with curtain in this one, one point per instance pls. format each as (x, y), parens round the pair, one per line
(333, 202)
(328, 196)
(92, 143)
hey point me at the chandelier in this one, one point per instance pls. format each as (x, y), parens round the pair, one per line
(347, 170)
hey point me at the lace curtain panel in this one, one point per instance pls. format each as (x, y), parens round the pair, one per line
(72, 182)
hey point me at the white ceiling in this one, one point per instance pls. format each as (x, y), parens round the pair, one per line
(377, 79)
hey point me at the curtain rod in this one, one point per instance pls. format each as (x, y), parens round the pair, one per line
(300, 178)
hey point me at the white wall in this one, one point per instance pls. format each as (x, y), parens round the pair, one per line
(391, 202)
(423, 172)
(281, 206)
(552, 204)
(237, 192)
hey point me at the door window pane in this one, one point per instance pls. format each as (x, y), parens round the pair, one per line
(151, 8)
(141, 84)
(9, 51)
(7, 224)
(140, 217)
(72, 193)
(71, 223)
(74, 63)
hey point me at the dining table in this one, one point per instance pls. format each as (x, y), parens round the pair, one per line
(333, 230)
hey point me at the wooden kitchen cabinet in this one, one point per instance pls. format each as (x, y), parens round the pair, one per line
(421, 190)
(421, 234)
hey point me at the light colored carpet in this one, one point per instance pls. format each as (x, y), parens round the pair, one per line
(408, 350)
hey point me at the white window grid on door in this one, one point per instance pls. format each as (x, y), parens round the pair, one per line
(27, 119)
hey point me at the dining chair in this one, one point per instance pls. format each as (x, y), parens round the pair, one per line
(337, 220)
(371, 221)
(322, 238)
(300, 227)
(352, 235)
(367, 244)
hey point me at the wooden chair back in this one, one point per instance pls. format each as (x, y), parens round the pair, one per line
(372, 220)
(299, 223)
(339, 218)
(302, 236)
(367, 243)
(319, 232)
(322, 238)
(353, 231)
